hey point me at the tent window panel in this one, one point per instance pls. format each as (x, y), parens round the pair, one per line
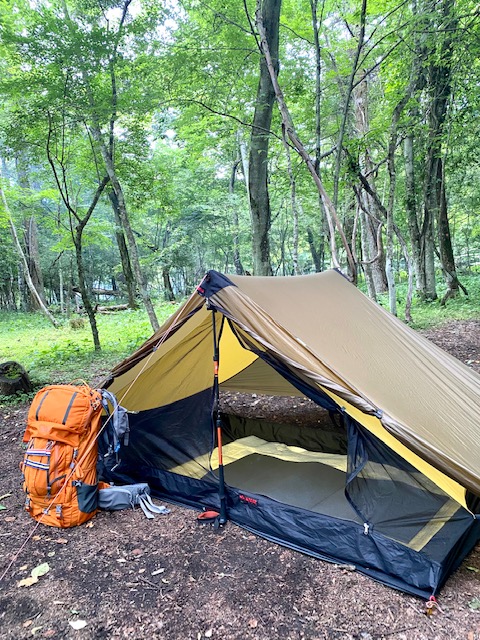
(394, 497)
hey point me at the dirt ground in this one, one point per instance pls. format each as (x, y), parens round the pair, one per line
(128, 577)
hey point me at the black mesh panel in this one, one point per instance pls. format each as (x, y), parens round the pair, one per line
(394, 498)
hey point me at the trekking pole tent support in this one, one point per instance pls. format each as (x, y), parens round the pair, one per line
(217, 422)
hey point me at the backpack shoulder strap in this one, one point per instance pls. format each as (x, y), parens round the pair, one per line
(119, 421)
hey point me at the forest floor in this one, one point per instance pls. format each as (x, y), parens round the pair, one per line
(123, 576)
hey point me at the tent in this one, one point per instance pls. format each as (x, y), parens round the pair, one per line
(391, 488)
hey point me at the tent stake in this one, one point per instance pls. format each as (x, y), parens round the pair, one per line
(222, 518)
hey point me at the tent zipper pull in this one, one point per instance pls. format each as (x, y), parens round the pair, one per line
(366, 528)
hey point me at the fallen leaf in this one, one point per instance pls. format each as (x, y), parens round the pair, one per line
(121, 560)
(35, 574)
(27, 623)
(40, 570)
(2, 507)
(35, 537)
(208, 633)
(74, 611)
(89, 525)
(473, 569)
(474, 604)
(24, 567)
(5, 495)
(50, 554)
(59, 602)
(35, 629)
(252, 623)
(61, 541)
(12, 519)
(157, 571)
(470, 635)
(78, 624)
(27, 582)
(49, 633)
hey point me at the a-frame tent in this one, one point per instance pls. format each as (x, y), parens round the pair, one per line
(393, 488)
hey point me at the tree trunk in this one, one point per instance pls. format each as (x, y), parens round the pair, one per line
(393, 228)
(371, 240)
(412, 217)
(13, 378)
(392, 292)
(445, 241)
(30, 233)
(124, 257)
(33, 257)
(258, 158)
(87, 305)
(333, 219)
(122, 211)
(167, 285)
(348, 97)
(317, 261)
(392, 173)
(60, 287)
(439, 90)
(239, 270)
(293, 201)
(367, 252)
(107, 153)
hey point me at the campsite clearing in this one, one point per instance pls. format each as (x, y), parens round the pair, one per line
(128, 577)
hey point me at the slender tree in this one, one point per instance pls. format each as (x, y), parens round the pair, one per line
(259, 142)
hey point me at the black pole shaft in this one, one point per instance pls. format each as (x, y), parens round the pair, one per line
(218, 425)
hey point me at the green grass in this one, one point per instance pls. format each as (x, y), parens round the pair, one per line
(63, 355)
(431, 314)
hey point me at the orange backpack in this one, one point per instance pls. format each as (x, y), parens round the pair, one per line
(59, 465)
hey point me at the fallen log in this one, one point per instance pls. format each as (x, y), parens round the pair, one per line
(106, 292)
(111, 309)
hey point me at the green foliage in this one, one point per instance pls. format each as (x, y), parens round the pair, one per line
(186, 77)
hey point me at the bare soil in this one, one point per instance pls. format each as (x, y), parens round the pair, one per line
(129, 577)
